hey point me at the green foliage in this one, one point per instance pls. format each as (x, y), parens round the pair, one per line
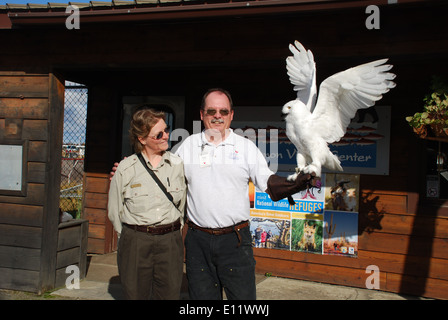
(435, 109)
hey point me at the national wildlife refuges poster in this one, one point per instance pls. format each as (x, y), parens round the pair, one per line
(324, 219)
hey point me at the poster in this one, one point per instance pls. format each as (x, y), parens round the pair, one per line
(307, 235)
(341, 233)
(271, 231)
(323, 220)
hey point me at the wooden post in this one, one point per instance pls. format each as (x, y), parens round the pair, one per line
(52, 183)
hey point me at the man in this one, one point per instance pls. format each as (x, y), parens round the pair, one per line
(218, 167)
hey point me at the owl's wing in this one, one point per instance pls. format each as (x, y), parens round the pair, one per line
(342, 94)
(302, 74)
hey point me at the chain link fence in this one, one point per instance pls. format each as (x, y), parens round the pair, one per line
(73, 149)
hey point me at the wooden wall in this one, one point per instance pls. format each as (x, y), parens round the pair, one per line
(102, 238)
(71, 250)
(31, 110)
(410, 250)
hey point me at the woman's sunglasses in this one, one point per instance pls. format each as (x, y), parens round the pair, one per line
(160, 134)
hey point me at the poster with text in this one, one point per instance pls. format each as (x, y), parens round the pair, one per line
(322, 220)
(280, 225)
(269, 233)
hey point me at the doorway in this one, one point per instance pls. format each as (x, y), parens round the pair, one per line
(73, 150)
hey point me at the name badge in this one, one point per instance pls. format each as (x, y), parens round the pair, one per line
(205, 160)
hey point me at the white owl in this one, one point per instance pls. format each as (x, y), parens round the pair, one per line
(312, 125)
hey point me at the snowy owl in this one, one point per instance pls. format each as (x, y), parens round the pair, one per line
(312, 125)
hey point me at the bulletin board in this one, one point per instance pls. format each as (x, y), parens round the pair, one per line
(13, 167)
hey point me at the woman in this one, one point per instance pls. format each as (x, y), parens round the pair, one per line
(150, 250)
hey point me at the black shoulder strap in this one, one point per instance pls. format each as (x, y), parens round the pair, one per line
(156, 179)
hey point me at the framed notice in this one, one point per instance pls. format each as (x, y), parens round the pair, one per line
(13, 168)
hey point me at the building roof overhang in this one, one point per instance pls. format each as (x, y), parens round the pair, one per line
(54, 14)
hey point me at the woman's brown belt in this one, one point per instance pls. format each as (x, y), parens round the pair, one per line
(160, 229)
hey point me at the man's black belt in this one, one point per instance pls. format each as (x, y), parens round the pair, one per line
(221, 231)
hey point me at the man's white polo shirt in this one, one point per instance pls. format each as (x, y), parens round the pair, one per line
(218, 176)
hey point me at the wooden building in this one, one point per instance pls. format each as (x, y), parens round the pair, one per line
(170, 52)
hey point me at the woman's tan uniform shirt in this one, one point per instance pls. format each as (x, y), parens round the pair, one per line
(136, 199)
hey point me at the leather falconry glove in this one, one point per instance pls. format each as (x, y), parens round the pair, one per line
(280, 187)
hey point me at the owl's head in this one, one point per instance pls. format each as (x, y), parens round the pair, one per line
(293, 106)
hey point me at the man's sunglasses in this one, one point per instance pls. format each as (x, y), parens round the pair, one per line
(160, 134)
(212, 112)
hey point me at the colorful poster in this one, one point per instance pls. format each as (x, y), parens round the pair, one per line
(341, 192)
(323, 220)
(270, 233)
(307, 234)
(341, 214)
(341, 233)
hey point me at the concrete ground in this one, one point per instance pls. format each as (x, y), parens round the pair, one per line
(102, 283)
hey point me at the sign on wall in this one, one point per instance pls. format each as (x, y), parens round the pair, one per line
(324, 219)
(363, 150)
(13, 168)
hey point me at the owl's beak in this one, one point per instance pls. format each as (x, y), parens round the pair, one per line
(284, 116)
